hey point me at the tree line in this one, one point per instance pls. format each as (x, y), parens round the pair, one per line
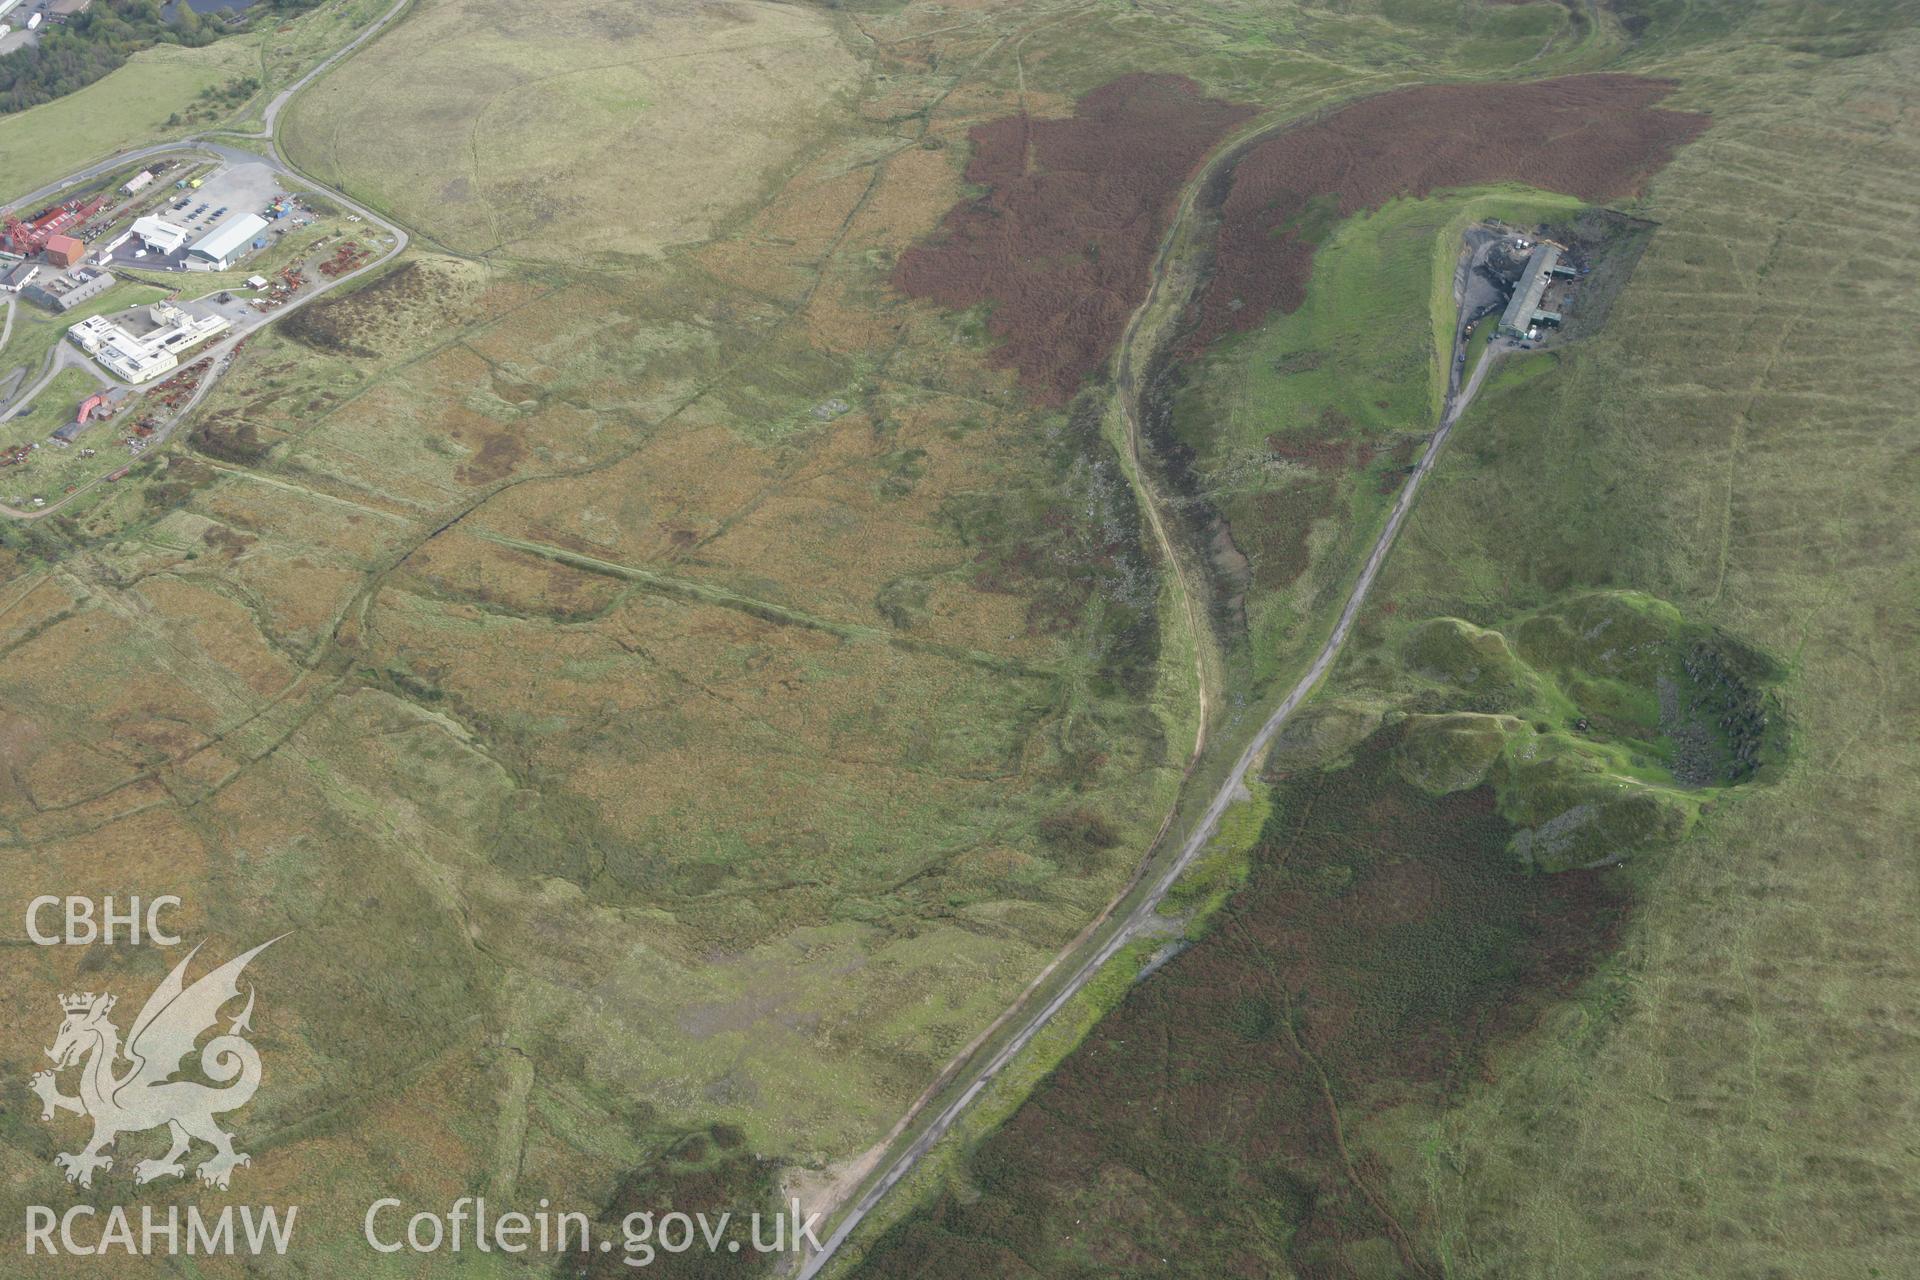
(87, 46)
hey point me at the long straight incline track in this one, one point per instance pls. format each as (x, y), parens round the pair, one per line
(1147, 904)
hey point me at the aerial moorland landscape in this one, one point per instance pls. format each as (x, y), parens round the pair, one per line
(1058, 639)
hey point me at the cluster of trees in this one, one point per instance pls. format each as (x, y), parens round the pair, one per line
(88, 46)
(216, 100)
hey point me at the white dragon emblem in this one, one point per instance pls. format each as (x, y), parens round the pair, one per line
(145, 1096)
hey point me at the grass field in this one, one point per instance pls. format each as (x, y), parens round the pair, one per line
(547, 132)
(128, 108)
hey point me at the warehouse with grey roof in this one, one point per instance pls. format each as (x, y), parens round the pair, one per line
(1523, 309)
(225, 244)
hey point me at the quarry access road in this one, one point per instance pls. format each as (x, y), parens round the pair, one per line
(1096, 947)
(285, 96)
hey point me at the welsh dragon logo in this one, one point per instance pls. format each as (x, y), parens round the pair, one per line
(144, 1095)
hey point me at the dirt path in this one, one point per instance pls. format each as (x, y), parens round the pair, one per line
(1144, 905)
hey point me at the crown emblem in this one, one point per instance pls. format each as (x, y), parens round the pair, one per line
(144, 1095)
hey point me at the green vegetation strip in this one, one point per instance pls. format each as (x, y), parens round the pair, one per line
(765, 610)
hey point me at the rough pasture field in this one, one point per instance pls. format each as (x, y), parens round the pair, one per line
(1393, 938)
(729, 769)
(1763, 1003)
(1598, 137)
(1059, 245)
(552, 131)
(734, 669)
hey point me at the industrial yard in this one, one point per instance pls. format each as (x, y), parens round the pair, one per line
(1529, 288)
(210, 221)
(175, 215)
(126, 296)
(74, 433)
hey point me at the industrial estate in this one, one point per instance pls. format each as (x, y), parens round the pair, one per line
(184, 227)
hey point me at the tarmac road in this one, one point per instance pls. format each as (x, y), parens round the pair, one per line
(62, 357)
(47, 193)
(285, 96)
(1143, 913)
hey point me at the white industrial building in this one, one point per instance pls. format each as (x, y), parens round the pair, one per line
(141, 357)
(225, 244)
(136, 182)
(159, 235)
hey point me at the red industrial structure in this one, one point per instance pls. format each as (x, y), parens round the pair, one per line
(65, 251)
(31, 236)
(87, 407)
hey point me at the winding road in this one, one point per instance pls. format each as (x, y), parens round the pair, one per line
(1096, 946)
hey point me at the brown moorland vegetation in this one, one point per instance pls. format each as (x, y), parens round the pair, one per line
(1598, 137)
(1381, 951)
(1061, 242)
